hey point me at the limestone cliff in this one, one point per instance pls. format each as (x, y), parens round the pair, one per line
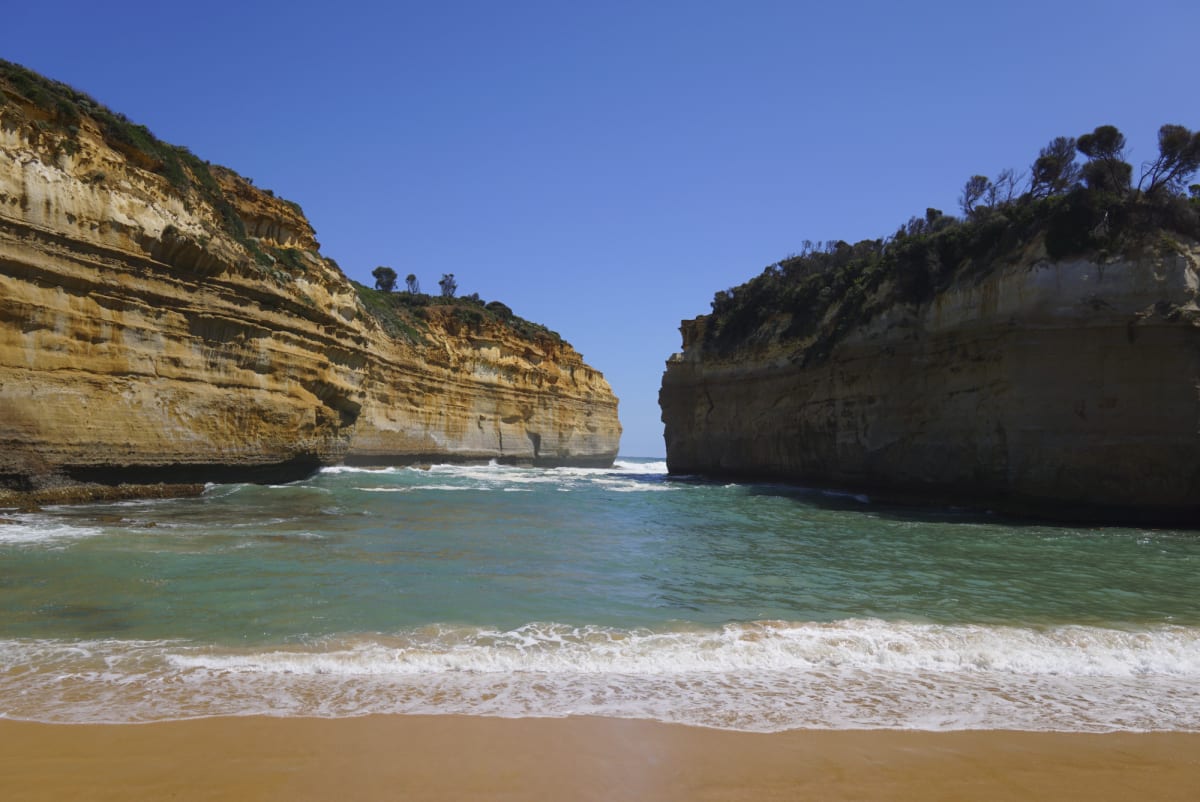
(475, 388)
(1059, 387)
(163, 320)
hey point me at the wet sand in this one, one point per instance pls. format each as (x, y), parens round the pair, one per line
(459, 758)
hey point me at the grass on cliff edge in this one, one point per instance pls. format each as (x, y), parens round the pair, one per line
(1090, 210)
(53, 111)
(407, 314)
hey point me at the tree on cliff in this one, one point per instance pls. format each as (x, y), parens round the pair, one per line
(1071, 206)
(448, 284)
(1106, 169)
(1055, 171)
(1178, 158)
(980, 193)
(385, 278)
(413, 285)
(974, 191)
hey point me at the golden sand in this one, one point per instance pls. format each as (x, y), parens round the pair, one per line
(459, 758)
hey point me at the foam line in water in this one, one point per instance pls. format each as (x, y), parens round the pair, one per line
(765, 676)
(412, 488)
(630, 478)
(493, 470)
(649, 468)
(552, 648)
(32, 530)
(337, 469)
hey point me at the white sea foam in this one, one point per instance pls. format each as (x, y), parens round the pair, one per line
(494, 471)
(764, 676)
(861, 498)
(548, 648)
(301, 487)
(623, 477)
(411, 488)
(628, 486)
(40, 530)
(132, 502)
(628, 466)
(336, 469)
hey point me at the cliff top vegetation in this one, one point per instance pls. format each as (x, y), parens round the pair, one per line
(1074, 207)
(53, 114)
(407, 314)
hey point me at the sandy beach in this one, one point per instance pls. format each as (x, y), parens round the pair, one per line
(465, 758)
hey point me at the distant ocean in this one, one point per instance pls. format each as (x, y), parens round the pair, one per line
(503, 591)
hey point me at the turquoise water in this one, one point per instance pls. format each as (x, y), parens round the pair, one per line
(508, 591)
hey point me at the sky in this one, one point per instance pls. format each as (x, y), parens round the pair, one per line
(605, 168)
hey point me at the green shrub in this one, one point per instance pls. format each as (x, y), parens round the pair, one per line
(499, 310)
(66, 108)
(405, 314)
(290, 258)
(823, 293)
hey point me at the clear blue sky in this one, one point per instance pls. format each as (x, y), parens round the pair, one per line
(604, 168)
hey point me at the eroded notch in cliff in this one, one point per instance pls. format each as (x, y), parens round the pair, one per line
(337, 399)
(292, 469)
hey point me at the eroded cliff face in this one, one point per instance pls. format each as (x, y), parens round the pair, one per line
(1064, 389)
(477, 390)
(150, 334)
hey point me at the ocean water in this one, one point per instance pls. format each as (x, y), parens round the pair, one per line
(504, 591)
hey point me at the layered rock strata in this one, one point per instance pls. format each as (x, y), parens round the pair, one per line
(149, 334)
(1065, 389)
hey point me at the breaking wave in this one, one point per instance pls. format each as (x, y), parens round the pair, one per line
(761, 676)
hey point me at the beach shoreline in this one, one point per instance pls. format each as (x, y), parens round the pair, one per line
(479, 758)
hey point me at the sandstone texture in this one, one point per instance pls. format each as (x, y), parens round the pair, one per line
(153, 331)
(1068, 389)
